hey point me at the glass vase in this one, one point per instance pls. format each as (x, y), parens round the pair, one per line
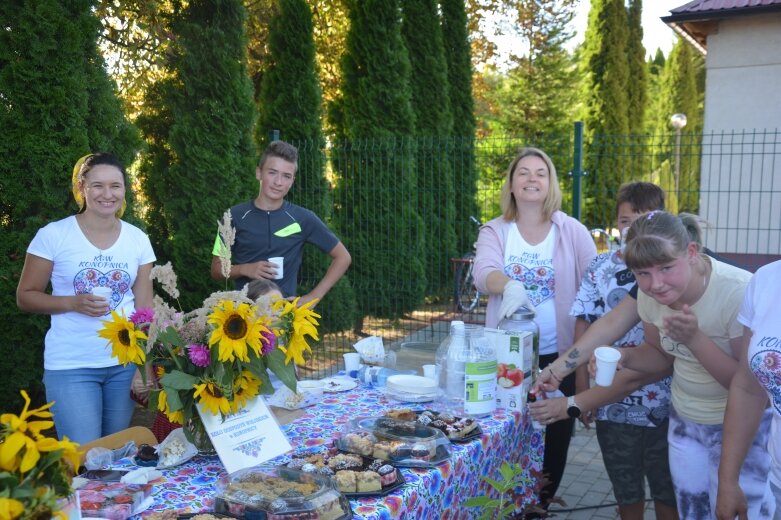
(201, 439)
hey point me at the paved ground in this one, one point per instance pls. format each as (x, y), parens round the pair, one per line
(585, 487)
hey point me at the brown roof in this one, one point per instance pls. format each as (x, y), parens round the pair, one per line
(696, 19)
(702, 9)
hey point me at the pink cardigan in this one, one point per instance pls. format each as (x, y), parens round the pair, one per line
(572, 253)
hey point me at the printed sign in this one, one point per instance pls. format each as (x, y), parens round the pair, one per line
(246, 438)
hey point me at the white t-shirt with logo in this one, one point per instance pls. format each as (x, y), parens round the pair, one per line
(533, 266)
(760, 313)
(72, 340)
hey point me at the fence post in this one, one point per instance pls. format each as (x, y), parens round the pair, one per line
(577, 169)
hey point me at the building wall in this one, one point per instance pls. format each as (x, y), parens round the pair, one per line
(741, 154)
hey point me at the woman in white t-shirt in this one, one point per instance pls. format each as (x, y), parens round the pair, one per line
(80, 256)
(535, 255)
(758, 378)
(689, 305)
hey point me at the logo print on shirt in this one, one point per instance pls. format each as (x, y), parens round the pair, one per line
(766, 366)
(117, 280)
(539, 281)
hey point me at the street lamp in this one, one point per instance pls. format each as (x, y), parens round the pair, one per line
(678, 121)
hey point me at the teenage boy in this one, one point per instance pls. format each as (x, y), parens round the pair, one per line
(270, 226)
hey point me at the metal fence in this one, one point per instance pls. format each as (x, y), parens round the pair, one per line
(732, 179)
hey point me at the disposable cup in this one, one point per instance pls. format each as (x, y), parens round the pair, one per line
(430, 371)
(103, 292)
(607, 361)
(280, 261)
(352, 362)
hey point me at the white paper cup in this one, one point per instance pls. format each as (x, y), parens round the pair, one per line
(607, 361)
(102, 292)
(280, 261)
(352, 362)
(430, 371)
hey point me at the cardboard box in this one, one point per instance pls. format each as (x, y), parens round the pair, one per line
(514, 360)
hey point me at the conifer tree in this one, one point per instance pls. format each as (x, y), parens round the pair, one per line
(198, 126)
(636, 86)
(290, 102)
(422, 35)
(455, 36)
(654, 67)
(376, 196)
(681, 94)
(604, 67)
(539, 90)
(57, 105)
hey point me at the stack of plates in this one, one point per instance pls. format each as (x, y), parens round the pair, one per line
(414, 389)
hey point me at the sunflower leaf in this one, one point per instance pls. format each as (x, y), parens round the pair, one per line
(171, 337)
(179, 380)
(276, 362)
(258, 369)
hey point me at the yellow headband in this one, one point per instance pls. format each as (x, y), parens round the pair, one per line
(76, 179)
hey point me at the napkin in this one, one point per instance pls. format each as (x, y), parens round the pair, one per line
(141, 476)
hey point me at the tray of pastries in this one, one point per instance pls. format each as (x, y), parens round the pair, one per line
(355, 474)
(279, 493)
(457, 429)
(403, 443)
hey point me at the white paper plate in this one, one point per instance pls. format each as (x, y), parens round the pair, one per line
(415, 385)
(338, 384)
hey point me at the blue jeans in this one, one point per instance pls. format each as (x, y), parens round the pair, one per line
(90, 403)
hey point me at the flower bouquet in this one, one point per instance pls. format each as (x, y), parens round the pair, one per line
(216, 355)
(35, 470)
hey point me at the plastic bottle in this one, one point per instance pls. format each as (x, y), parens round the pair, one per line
(469, 376)
(479, 374)
(376, 376)
(451, 368)
(520, 321)
(441, 357)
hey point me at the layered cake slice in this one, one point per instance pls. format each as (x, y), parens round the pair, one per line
(368, 481)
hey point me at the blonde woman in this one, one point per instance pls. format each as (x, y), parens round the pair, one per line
(535, 255)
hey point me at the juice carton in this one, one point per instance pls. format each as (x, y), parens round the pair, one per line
(514, 360)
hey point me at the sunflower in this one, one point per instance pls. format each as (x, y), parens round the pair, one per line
(23, 443)
(303, 322)
(10, 508)
(212, 398)
(245, 388)
(162, 405)
(236, 327)
(124, 339)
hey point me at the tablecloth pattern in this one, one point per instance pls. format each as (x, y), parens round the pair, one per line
(437, 492)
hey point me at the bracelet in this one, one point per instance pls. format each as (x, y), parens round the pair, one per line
(553, 375)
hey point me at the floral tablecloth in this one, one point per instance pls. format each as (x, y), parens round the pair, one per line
(437, 492)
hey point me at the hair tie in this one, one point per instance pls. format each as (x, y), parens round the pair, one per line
(651, 214)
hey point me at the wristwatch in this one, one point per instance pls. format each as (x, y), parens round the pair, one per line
(573, 410)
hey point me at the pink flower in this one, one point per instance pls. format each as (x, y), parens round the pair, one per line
(269, 342)
(142, 317)
(199, 354)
